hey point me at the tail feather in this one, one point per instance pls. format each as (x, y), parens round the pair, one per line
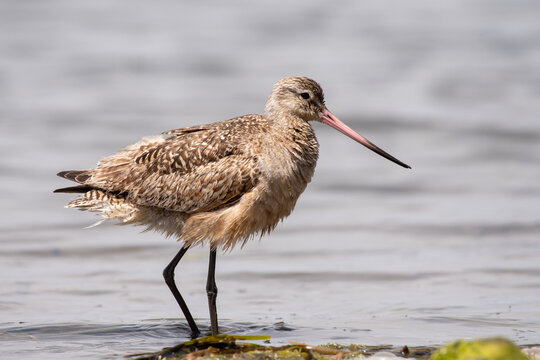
(108, 205)
(74, 189)
(79, 176)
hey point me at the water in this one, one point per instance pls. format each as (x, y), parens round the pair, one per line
(373, 253)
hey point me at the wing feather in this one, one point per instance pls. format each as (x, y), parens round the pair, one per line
(206, 188)
(197, 169)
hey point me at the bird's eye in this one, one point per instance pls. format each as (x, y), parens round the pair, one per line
(305, 95)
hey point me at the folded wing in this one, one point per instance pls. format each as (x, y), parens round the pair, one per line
(197, 169)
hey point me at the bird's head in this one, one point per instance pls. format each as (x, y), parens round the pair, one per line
(303, 98)
(296, 96)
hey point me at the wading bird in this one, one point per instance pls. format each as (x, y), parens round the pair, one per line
(217, 184)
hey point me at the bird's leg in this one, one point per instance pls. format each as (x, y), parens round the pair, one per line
(211, 291)
(168, 274)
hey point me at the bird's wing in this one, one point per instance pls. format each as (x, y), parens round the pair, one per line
(207, 187)
(195, 170)
(187, 130)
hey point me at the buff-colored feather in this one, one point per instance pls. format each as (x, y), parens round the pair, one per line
(220, 183)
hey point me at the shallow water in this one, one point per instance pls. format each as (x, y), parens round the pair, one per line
(373, 253)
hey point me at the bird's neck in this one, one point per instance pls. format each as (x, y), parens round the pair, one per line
(284, 120)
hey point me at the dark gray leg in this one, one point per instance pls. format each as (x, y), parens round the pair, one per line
(168, 274)
(211, 291)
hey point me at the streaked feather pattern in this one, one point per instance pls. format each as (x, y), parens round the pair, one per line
(222, 182)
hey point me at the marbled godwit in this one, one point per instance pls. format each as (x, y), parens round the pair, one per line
(220, 183)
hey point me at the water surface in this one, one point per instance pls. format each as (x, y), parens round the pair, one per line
(373, 253)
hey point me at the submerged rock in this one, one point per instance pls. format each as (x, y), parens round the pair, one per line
(230, 347)
(482, 349)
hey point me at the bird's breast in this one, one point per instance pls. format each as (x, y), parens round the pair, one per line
(288, 162)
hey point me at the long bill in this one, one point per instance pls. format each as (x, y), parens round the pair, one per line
(328, 118)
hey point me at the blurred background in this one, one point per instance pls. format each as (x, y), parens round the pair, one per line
(373, 253)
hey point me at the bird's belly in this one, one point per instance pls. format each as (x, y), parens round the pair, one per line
(257, 212)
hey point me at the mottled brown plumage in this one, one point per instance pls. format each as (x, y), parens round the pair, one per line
(219, 183)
